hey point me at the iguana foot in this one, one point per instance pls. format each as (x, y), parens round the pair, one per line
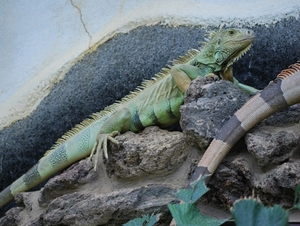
(245, 88)
(101, 143)
(211, 77)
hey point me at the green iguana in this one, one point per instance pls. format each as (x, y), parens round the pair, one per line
(155, 102)
(284, 91)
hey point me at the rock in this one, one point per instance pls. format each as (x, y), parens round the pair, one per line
(271, 167)
(140, 177)
(152, 152)
(283, 118)
(273, 145)
(67, 182)
(230, 182)
(109, 209)
(241, 176)
(207, 106)
(12, 217)
(144, 171)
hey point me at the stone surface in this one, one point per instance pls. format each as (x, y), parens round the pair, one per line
(153, 152)
(271, 173)
(207, 105)
(241, 176)
(67, 182)
(273, 145)
(140, 177)
(109, 209)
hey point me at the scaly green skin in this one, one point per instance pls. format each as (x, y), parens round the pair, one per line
(156, 102)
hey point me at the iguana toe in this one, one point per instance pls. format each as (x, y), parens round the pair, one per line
(101, 143)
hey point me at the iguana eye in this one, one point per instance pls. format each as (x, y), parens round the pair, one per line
(231, 32)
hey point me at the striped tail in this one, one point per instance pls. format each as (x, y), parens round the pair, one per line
(284, 91)
(55, 160)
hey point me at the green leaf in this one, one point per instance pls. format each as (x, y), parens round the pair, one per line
(187, 214)
(145, 220)
(192, 194)
(199, 189)
(185, 194)
(250, 212)
(297, 200)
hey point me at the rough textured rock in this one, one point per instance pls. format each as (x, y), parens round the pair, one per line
(283, 118)
(273, 145)
(153, 152)
(109, 209)
(272, 168)
(81, 208)
(207, 105)
(144, 171)
(242, 176)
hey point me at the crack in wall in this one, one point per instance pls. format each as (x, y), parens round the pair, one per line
(81, 19)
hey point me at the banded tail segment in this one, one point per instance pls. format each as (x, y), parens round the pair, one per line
(63, 155)
(284, 91)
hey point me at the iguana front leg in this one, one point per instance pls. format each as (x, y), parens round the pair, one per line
(227, 74)
(247, 89)
(118, 122)
(183, 75)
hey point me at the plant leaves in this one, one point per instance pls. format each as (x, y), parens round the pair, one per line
(250, 212)
(297, 200)
(187, 214)
(192, 194)
(145, 220)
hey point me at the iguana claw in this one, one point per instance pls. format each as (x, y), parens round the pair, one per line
(211, 77)
(101, 143)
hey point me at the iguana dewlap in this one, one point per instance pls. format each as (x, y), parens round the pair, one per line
(155, 102)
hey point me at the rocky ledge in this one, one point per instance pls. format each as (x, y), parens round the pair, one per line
(146, 168)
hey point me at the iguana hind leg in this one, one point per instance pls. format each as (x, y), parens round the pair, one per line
(101, 143)
(118, 122)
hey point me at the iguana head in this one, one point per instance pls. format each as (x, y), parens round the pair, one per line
(226, 46)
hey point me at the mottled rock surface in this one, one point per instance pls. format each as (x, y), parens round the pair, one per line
(207, 106)
(152, 152)
(273, 145)
(141, 176)
(271, 167)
